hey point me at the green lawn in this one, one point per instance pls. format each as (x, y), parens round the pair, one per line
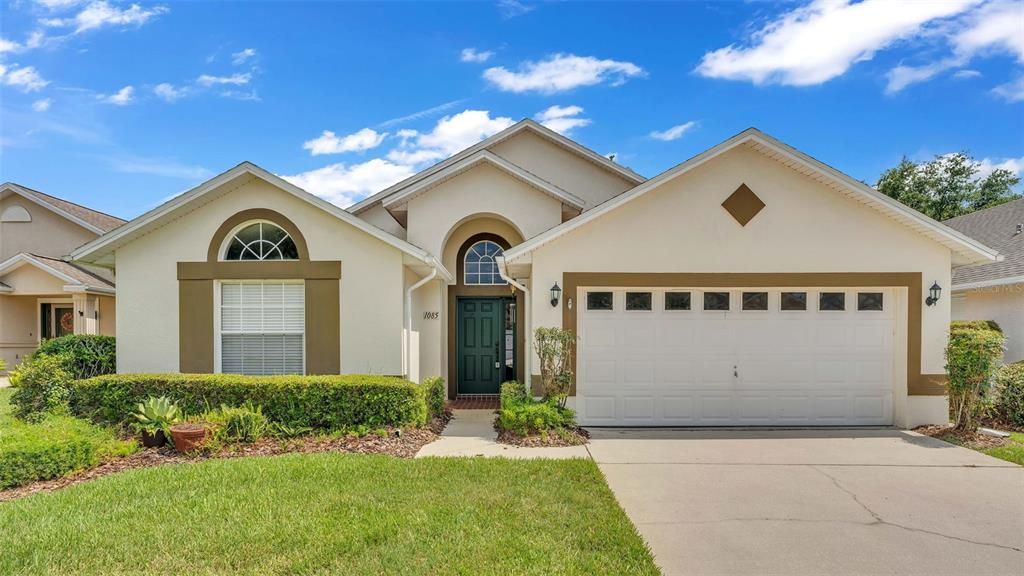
(328, 514)
(1012, 451)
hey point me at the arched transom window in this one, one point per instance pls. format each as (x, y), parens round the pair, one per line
(479, 266)
(261, 241)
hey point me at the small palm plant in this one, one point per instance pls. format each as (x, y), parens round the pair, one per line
(154, 418)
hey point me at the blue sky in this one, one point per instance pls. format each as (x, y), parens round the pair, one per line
(119, 105)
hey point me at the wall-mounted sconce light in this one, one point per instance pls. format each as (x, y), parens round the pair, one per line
(81, 313)
(556, 293)
(933, 294)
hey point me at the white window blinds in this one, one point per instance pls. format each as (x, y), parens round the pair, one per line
(262, 327)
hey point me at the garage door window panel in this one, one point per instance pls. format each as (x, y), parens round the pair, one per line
(677, 301)
(716, 301)
(869, 302)
(756, 301)
(600, 301)
(638, 301)
(832, 301)
(793, 301)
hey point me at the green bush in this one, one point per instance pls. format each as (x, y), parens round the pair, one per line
(523, 416)
(241, 424)
(41, 385)
(435, 395)
(316, 402)
(1010, 393)
(89, 355)
(53, 447)
(973, 359)
(974, 325)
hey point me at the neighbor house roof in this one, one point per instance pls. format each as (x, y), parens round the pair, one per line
(969, 249)
(78, 279)
(1002, 228)
(88, 218)
(102, 247)
(524, 124)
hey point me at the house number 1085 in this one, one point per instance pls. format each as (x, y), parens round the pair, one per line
(431, 315)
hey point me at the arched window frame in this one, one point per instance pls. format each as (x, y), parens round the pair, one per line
(231, 236)
(485, 257)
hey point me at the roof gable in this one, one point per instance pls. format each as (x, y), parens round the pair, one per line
(92, 220)
(77, 279)
(969, 250)
(525, 124)
(99, 250)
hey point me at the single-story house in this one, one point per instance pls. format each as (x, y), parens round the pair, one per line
(42, 294)
(994, 290)
(749, 285)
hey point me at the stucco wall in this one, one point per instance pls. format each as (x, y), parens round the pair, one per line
(47, 234)
(108, 316)
(805, 227)
(381, 218)
(482, 189)
(147, 287)
(590, 182)
(27, 279)
(1005, 305)
(19, 332)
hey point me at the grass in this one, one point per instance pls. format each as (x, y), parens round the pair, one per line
(329, 514)
(53, 447)
(1013, 451)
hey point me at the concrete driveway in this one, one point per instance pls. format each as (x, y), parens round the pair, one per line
(815, 501)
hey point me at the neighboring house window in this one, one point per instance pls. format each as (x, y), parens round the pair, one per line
(15, 213)
(261, 241)
(480, 266)
(262, 326)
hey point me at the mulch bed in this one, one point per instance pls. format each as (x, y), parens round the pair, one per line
(405, 445)
(568, 437)
(970, 439)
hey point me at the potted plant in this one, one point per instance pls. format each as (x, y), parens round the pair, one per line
(154, 419)
(188, 436)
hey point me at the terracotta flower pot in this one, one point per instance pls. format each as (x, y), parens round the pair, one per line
(153, 439)
(188, 436)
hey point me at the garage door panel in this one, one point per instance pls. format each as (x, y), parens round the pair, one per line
(769, 367)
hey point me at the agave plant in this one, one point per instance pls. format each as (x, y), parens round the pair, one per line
(156, 414)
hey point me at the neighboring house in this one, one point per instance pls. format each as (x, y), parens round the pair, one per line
(749, 285)
(995, 290)
(41, 294)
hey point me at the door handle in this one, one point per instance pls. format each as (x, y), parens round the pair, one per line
(497, 352)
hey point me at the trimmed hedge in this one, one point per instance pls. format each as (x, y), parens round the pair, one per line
(1010, 393)
(89, 354)
(523, 416)
(435, 394)
(975, 325)
(319, 402)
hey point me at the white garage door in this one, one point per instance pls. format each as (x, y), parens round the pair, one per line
(743, 357)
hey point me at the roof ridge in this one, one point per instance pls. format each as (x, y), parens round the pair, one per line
(985, 210)
(82, 206)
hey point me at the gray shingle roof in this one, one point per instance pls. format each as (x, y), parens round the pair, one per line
(995, 227)
(104, 222)
(80, 274)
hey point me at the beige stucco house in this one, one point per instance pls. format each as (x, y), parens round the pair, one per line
(42, 295)
(995, 290)
(749, 285)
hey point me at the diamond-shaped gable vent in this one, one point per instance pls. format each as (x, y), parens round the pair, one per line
(743, 204)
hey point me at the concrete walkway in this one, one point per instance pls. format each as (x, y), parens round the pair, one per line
(471, 433)
(4, 381)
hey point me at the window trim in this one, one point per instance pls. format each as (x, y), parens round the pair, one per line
(217, 333)
(226, 241)
(465, 263)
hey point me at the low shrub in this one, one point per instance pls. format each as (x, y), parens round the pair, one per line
(975, 325)
(1010, 393)
(315, 402)
(236, 424)
(973, 359)
(523, 416)
(155, 415)
(52, 447)
(435, 395)
(88, 354)
(41, 384)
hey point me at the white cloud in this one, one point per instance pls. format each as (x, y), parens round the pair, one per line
(169, 93)
(248, 96)
(451, 134)
(994, 28)
(34, 40)
(345, 184)
(966, 73)
(562, 119)
(561, 72)
(330, 143)
(9, 46)
(1012, 91)
(25, 78)
(101, 13)
(674, 133)
(235, 79)
(239, 58)
(122, 97)
(513, 8)
(42, 105)
(157, 167)
(421, 114)
(815, 43)
(987, 166)
(59, 4)
(474, 55)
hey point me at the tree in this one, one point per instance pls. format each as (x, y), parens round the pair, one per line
(947, 186)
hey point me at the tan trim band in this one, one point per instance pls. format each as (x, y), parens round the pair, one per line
(260, 270)
(918, 384)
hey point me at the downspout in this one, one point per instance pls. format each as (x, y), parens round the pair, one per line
(528, 336)
(407, 341)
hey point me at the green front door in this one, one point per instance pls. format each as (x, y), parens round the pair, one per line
(479, 344)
